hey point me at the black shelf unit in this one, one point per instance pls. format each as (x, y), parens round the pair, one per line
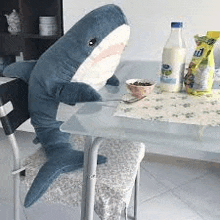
(28, 40)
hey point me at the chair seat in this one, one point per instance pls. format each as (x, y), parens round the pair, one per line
(115, 179)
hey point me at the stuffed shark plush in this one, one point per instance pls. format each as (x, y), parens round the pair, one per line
(72, 70)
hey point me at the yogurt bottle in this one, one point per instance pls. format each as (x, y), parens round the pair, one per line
(173, 60)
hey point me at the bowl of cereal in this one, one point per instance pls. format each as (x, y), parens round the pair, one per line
(140, 88)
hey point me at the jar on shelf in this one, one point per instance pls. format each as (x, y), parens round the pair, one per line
(47, 26)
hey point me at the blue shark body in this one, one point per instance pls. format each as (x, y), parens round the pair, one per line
(72, 70)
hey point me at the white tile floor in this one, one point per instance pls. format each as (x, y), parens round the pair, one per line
(171, 188)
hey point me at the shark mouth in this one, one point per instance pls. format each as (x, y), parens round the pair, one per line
(104, 59)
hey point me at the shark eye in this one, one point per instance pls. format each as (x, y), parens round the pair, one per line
(92, 42)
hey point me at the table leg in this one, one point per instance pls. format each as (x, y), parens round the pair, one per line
(88, 143)
(89, 177)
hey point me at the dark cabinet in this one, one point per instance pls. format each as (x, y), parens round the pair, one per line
(29, 41)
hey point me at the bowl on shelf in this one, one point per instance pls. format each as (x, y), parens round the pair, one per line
(140, 87)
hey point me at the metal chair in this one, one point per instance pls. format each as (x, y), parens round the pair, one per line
(115, 180)
(14, 95)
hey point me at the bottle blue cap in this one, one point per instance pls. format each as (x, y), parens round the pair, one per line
(176, 24)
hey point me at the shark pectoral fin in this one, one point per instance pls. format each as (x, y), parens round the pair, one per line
(36, 140)
(112, 85)
(69, 161)
(74, 92)
(113, 81)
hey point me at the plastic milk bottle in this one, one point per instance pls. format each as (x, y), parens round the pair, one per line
(173, 60)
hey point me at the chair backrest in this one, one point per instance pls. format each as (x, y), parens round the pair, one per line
(16, 92)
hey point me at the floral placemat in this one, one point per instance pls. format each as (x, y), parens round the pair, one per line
(174, 107)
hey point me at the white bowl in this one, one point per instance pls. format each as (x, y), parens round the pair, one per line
(140, 90)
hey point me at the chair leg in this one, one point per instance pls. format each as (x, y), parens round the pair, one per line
(126, 212)
(136, 194)
(16, 175)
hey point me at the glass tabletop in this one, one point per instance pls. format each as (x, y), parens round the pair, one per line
(97, 119)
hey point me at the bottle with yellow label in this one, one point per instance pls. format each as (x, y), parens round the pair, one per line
(173, 60)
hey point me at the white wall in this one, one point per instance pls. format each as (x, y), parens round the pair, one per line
(150, 21)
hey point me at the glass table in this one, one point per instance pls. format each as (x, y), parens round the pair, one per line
(193, 137)
(96, 120)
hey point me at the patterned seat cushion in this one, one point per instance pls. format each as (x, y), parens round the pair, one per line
(115, 179)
